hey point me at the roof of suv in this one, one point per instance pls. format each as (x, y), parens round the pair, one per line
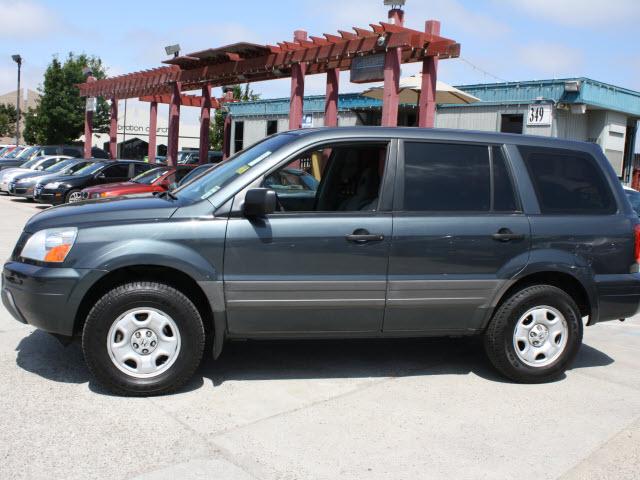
(437, 134)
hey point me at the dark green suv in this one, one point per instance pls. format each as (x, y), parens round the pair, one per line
(401, 233)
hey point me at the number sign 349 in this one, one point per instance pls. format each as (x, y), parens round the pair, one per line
(539, 115)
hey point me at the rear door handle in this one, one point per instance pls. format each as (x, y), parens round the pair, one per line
(506, 235)
(363, 236)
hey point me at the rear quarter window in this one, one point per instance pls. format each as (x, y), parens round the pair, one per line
(568, 182)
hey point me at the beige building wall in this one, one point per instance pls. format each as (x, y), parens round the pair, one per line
(30, 100)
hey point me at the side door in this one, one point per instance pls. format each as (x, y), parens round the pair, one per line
(321, 269)
(459, 233)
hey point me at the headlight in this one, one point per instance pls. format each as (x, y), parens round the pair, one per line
(52, 185)
(50, 245)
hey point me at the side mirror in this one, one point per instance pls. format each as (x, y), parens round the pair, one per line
(259, 202)
(101, 176)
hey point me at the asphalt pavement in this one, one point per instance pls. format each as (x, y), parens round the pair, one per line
(374, 409)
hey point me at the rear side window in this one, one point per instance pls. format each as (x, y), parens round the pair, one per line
(568, 182)
(138, 168)
(456, 178)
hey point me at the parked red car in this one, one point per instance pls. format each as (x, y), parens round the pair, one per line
(156, 180)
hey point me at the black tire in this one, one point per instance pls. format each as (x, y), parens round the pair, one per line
(145, 295)
(499, 337)
(67, 197)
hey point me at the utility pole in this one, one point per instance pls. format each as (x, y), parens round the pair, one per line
(18, 59)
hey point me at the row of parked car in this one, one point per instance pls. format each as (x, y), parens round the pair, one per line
(58, 179)
(16, 155)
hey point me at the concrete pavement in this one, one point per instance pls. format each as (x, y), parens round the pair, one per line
(401, 409)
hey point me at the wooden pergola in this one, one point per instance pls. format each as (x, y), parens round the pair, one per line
(247, 62)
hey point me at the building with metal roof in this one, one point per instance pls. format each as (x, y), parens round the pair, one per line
(572, 108)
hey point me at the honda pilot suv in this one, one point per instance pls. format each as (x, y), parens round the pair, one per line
(402, 232)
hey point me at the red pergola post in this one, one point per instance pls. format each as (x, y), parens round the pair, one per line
(153, 129)
(174, 126)
(392, 61)
(113, 129)
(427, 101)
(226, 137)
(298, 71)
(88, 125)
(331, 100)
(205, 121)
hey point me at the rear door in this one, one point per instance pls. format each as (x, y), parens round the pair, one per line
(459, 234)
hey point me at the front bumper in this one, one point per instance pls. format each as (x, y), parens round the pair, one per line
(44, 297)
(22, 191)
(50, 196)
(618, 296)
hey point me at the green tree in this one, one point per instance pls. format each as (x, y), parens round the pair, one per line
(59, 116)
(8, 115)
(216, 131)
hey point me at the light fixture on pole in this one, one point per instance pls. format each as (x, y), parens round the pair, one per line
(173, 50)
(395, 4)
(18, 59)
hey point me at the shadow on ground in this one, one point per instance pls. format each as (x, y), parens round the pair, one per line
(42, 354)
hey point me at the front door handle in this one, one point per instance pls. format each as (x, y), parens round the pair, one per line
(363, 236)
(506, 235)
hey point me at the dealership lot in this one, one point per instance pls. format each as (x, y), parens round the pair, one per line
(430, 408)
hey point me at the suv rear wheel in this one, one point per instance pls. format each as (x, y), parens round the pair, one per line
(143, 338)
(535, 334)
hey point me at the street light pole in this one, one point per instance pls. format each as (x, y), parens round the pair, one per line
(18, 59)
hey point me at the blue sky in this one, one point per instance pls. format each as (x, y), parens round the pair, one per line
(509, 39)
(501, 39)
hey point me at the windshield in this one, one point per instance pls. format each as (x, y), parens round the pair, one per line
(30, 163)
(147, 178)
(89, 169)
(26, 153)
(14, 152)
(208, 184)
(58, 167)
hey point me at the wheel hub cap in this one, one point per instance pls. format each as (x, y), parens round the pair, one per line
(538, 335)
(144, 341)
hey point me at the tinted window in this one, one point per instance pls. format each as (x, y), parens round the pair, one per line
(72, 152)
(504, 199)
(446, 177)
(634, 198)
(568, 182)
(117, 171)
(139, 168)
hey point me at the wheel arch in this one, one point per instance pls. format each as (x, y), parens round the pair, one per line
(214, 324)
(566, 282)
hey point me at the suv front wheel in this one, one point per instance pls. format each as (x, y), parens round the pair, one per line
(143, 338)
(535, 334)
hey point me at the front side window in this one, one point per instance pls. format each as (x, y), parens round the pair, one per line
(331, 178)
(446, 177)
(117, 171)
(568, 182)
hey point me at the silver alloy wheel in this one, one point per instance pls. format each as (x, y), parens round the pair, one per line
(540, 336)
(75, 197)
(143, 342)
